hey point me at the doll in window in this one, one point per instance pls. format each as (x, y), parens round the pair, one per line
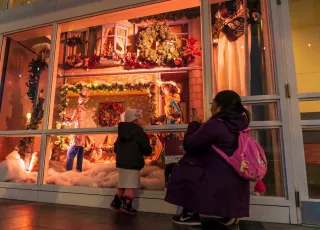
(171, 95)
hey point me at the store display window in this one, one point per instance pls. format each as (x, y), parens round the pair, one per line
(94, 163)
(241, 48)
(16, 164)
(149, 61)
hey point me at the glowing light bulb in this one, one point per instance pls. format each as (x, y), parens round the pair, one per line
(28, 117)
(60, 75)
(20, 75)
(241, 47)
(309, 44)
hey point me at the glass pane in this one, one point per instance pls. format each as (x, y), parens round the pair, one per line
(133, 70)
(98, 158)
(249, 74)
(24, 75)
(304, 17)
(270, 141)
(311, 140)
(263, 112)
(19, 159)
(121, 31)
(15, 3)
(310, 110)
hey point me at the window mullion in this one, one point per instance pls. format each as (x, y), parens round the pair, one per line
(48, 99)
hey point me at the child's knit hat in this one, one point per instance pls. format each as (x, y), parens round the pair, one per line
(131, 115)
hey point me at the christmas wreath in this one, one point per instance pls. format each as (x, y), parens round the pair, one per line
(166, 44)
(108, 114)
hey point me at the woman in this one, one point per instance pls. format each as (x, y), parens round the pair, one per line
(203, 182)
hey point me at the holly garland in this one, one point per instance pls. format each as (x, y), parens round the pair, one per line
(140, 85)
(190, 13)
(36, 67)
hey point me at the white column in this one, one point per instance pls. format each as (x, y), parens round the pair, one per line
(206, 56)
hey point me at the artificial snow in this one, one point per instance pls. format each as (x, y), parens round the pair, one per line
(97, 175)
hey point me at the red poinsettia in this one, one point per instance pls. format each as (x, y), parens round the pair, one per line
(190, 51)
(92, 61)
(133, 62)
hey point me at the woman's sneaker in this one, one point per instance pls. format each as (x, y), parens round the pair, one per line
(185, 218)
(116, 203)
(126, 206)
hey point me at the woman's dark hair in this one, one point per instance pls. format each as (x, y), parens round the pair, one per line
(230, 104)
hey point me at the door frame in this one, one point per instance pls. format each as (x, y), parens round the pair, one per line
(306, 207)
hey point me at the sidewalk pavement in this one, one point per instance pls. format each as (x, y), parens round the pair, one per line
(16, 215)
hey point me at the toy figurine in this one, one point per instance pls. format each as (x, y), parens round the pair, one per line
(171, 93)
(78, 118)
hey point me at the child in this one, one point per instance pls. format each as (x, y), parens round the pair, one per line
(132, 144)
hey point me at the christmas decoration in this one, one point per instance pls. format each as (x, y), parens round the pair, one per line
(101, 86)
(73, 41)
(165, 52)
(108, 114)
(166, 44)
(36, 67)
(190, 13)
(132, 62)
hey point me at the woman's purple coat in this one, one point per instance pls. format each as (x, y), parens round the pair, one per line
(203, 181)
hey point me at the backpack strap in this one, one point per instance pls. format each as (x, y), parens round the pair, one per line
(221, 153)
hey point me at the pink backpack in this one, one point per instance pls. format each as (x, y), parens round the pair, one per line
(249, 160)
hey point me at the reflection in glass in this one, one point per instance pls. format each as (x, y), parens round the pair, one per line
(311, 140)
(263, 112)
(270, 141)
(24, 74)
(310, 110)
(98, 158)
(19, 165)
(240, 49)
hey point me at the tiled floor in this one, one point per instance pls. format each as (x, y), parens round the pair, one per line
(15, 215)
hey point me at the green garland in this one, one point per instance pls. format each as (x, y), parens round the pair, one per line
(167, 44)
(105, 87)
(36, 67)
(190, 13)
(73, 41)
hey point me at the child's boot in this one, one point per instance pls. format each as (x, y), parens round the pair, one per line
(116, 203)
(126, 206)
